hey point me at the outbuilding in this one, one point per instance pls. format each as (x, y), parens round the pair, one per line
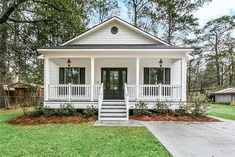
(225, 96)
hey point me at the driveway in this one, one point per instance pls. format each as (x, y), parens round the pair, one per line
(183, 139)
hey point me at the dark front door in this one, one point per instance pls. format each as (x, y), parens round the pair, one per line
(114, 79)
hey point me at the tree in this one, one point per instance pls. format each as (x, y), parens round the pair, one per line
(104, 9)
(33, 24)
(138, 10)
(217, 43)
(176, 18)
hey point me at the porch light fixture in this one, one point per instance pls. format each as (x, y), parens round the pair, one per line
(69, 62)
(160, 62)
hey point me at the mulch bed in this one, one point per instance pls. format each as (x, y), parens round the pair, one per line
(26, 119)
(169, 117)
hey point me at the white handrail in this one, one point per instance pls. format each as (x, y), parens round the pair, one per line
(100, 100)
(126, 101)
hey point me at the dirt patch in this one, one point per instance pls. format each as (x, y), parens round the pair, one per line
(29, 120)
(183, 118)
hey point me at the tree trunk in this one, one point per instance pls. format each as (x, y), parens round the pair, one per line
(217, 62)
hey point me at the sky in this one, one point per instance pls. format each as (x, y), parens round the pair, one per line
(215, 9)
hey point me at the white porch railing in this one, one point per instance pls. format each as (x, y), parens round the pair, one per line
(126, 95)
(76, 92)
(72, 92)
(155, 92)
(100, 100)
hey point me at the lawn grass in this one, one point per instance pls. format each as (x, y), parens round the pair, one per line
(75, 140)
(223, 111)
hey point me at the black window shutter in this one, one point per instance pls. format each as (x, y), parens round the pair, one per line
(146, 75)
(82, 76)
(167, 75)
(61, 76)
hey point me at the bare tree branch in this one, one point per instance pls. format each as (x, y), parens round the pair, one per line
(5, 16)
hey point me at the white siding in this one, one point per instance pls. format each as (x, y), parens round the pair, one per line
(176, 72)
(53, 73)
(124, 36)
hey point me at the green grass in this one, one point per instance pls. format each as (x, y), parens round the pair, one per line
(75, 140)
(223, 111)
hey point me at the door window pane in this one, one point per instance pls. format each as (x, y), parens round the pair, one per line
(114, 80)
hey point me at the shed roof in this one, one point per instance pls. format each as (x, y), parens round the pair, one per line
(21, 85)
(226, 91)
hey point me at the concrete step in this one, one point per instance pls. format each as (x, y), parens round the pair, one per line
(113, 110)
(113, 118)
(112, 107)
(113, 103)
(113, 114)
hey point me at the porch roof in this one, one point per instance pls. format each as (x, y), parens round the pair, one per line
(117, 46)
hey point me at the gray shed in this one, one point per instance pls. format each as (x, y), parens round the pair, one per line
(225, 96)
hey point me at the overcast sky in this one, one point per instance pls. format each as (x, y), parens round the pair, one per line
(215, 9)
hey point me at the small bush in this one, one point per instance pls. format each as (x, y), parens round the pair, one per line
(65, 110)
(90, 111)
(183, 109)
(40, 110)
(198, 106)
(161, 108)
(140, 108)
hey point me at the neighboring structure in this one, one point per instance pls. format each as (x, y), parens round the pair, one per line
(225, 96)
(111, 66)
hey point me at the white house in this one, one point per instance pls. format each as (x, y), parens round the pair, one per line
(111, 66)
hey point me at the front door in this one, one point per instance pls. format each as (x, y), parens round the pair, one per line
(114, 79)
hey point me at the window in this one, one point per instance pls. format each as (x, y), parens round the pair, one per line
(71, 75)
(114, 30)
(156, 75)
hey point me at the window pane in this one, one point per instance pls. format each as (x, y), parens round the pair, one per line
(160, 72)
(152, 75)
(156, 75)
(72, 75)
(104, 79)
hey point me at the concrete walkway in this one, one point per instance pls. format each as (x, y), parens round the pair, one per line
(183, 139)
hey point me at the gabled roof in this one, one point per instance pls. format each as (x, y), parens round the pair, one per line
(226, 91)
(120, 21)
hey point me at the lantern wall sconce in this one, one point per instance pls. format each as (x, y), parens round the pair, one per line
(69, 62)
(160, 62)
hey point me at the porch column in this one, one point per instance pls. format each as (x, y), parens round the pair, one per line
(46, 78)
(92, 79)
(137, 77)
(183, 78)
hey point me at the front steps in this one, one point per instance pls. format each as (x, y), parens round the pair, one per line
(113, 110)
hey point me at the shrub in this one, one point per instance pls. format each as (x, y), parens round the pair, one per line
(161, 108)
(40, 110)
(198, 106)
(183, 109)
(90, 111)
(65, 110)
(141, 108)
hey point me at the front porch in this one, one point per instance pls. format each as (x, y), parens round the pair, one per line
(141, 78)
